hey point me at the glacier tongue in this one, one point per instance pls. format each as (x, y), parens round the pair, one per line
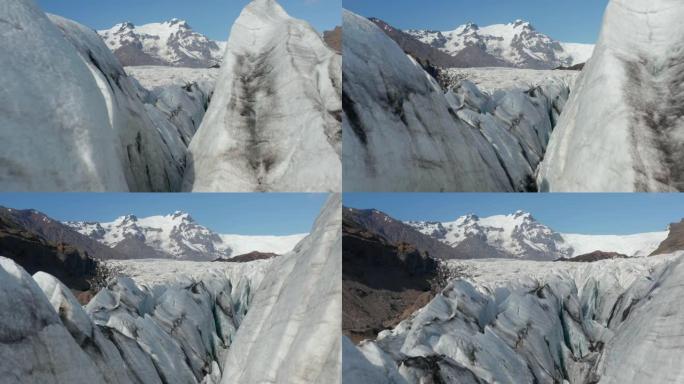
(624, 120)
(403, 133)
(254, 136)
(521, 321)
(292, 332)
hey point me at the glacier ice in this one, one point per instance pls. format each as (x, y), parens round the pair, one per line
(167, 321)
(526, 321)
(273, 122)
(292, 330)
(172, 331)
(622, 128)
(52, 106)
(404, 133)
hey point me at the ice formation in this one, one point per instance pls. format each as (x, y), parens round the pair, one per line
(404, 133)
(622, 128)
(519, 321)
(273, 123)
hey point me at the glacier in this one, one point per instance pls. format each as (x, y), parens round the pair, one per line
(292, 332)
(515, 321)
(167, 321)
(403, 132)
(253, 137)
(90, 126)
(622, 128)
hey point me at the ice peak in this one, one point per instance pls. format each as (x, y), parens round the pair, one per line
(126, 25)
(522, 23)
(126, 219)
(181, 215)
(522, 214)
(179, 23)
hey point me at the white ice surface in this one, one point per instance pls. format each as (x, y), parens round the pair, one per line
(272, 124)
(511, 321)
(54, 126)
(403, 133)
(292, 332)
(622, 129)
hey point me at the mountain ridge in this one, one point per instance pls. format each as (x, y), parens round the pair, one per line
(169, 43)
(517, 43)
(178, 236)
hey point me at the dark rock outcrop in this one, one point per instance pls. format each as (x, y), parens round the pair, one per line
(595, 256)
(382, 283)
(247, 257)
(334, 39)
(396, 232)
(34, 253)
(674, 241)
(55, 232)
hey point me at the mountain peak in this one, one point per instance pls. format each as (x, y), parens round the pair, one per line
(126, 25)
(522, 214)
(179, 22)
(181, 216)
(522, 23)
(126, 219)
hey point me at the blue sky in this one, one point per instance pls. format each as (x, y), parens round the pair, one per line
(576, 21)
(236, 213)
(210, 17)
(569, 213)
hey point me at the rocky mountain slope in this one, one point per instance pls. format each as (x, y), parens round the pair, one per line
(411, 135)
(517, 44)
(35, 253)
(57, 232)
(382, 282)
(623, 120)
(432, 56)
(396, 232)
(521, 321)
(334, 39)
(170, 43)
(177, 236)
(253, 138)
(674, 241)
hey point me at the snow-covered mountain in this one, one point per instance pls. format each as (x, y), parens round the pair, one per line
(518, 44)
(254, 137)
(518, 235)
(521, 236)
(612, 321)
(172, 43)
(402, 132)
(622, 129)
(178, 236)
